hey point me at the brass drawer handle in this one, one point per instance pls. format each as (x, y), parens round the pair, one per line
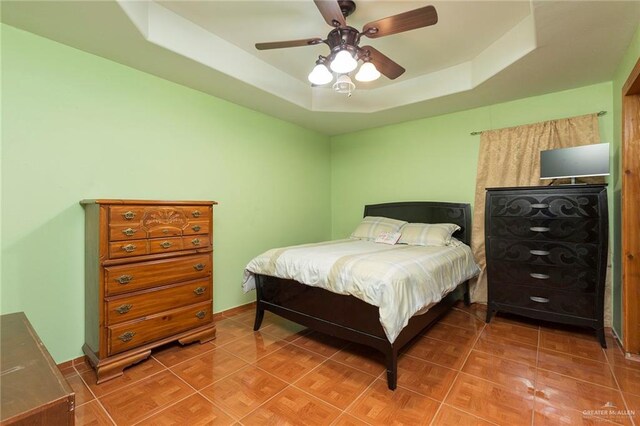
(123, 309)
(124, 279)
(125, 337)
(199, 290)
(128, 215)
(539, 276)
(196, 213)
(196, 228)
(195, 241)
(539, 206)
(539, 299)
(128, 232)
(198, 267)
(539, 252)
(129, 248)
(166, 244)
(201, 314)
(539, 229)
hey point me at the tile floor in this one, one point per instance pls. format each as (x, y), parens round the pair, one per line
(460, 372)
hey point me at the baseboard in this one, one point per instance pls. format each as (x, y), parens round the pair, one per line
(75, 361)
(234, 311)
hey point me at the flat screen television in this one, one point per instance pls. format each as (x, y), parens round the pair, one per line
(580, 161)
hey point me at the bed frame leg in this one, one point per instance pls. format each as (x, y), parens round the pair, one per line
(467, 294)
(392, 368)
(259, 317)
(259, 308)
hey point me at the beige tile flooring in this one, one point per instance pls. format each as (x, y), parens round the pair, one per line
(460, 372)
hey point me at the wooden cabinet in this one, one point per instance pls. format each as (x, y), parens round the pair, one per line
(148, 278)
(32, 389)
(546, 253)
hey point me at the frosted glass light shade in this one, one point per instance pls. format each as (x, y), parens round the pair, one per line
(368, 72)
(320, 75)
(344, 85)
(343, 63)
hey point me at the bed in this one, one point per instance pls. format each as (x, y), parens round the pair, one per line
(350, 318)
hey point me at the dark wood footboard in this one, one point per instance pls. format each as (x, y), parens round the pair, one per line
(344, 316)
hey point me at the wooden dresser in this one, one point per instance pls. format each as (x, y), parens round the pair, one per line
(148, 278)
(547, 253)
(32, 389)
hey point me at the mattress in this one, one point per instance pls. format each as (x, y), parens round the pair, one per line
(401, 280)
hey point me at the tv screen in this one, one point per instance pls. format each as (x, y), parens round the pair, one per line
(580, 161)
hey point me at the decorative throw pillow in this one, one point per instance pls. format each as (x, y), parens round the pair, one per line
(426, 234)
(372, 226)
(390, 238)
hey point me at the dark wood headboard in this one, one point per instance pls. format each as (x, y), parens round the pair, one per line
(427, 212)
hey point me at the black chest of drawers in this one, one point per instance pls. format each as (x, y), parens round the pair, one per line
(546, 253)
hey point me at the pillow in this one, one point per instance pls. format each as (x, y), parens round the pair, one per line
(390, 238)
(372, 226)
(427, 234)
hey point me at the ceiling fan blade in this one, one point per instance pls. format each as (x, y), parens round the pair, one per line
(406, 21)
(289, 43)
(331, 12)
(382, 62)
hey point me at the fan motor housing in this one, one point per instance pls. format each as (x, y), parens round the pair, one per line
(343, 38)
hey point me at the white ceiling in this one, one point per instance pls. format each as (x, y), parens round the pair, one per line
(421, 51)
(478, 53)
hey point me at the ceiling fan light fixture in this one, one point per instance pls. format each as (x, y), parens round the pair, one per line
(367, 72)
(344, 85)
(343, 62)
(320, 75)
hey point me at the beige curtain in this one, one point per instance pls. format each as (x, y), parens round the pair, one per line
(511, 157)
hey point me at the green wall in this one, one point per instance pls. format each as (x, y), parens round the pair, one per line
(435, 158)
(622, 73)
(78, 126)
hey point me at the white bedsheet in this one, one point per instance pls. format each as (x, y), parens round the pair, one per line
(400, 279)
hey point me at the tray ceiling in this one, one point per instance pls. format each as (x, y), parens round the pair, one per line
(479, 52)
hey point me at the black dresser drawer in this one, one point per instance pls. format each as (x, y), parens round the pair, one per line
(543, 252)
(547, 300)
(545, 204)
(579, 280)
(570, 230)
(546, 252)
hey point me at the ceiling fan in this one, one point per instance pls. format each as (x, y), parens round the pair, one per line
(343, 41)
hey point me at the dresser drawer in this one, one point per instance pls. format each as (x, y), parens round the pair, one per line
(196, 241)
(570, 230)
(121, 232)
(163, 245)
(545, 205)
(122, 337)
(197, 213)
(135, 305)
(543, 252)
(545, 299)
(197, 227)
(126, 215)
(142, 275)
(130, 248)
(581, 280)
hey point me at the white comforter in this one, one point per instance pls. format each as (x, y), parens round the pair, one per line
(400, 279)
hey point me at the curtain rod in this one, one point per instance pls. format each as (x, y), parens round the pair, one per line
(600, 114)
